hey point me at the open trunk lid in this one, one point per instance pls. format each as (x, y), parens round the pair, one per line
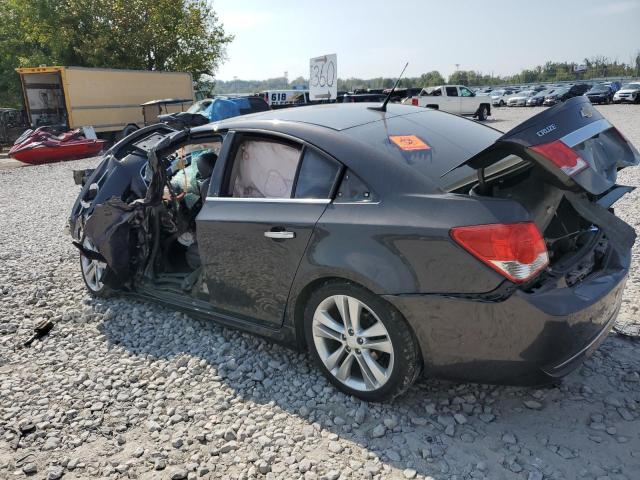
(561, 165)
(572, 141)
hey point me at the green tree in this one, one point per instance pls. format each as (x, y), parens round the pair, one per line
(431, 79)
(166, 35)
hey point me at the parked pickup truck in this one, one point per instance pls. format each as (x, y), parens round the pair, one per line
(456, 99)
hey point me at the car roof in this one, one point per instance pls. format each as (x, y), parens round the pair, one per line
(359, 138)
(335, 116)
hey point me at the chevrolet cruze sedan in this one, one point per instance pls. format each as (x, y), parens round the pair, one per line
(388, 241)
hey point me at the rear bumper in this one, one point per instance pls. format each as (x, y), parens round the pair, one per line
(529, 337)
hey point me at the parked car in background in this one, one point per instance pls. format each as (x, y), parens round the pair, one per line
(400, 94)
(555, 97)
(538, 98)
(520, 99)
(599, 94)
(360, 91)
(499, 97)
(628, 93)
(579, 89)
(215, 109)
(363, 97)
(456, 99)
(565, 93)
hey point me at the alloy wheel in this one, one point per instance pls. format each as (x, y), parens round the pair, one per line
(353, 343)
(92, 270)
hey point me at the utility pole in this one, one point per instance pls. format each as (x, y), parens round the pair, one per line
(235, 81)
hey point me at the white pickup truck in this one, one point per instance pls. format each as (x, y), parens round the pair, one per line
(456, 99)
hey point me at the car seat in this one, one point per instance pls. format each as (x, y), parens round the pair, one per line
(205, 164)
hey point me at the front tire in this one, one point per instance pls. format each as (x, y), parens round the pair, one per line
(93, 273)
(360, 342)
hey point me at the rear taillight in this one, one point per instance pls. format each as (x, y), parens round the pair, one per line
(515, 250)
(562, 156)
(414, 102)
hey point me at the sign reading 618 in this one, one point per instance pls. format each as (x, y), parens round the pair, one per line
(323, 77)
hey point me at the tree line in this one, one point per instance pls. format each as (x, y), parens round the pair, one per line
(596, 67)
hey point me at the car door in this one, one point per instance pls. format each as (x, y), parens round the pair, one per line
(452, 100)
(468, 102)
(253, 231)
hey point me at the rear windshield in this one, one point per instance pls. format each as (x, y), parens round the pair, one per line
(431, 142)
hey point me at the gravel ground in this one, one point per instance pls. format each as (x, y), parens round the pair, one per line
(126, 389)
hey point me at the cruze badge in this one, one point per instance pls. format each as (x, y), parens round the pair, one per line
(547, 129)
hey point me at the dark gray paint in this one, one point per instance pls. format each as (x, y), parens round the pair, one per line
(469, 321)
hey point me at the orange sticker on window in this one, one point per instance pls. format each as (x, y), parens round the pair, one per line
(409, 142)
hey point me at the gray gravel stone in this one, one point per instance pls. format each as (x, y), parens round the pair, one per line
(378, 431)
(55, 473)
(30, 468)
(533, 404)
(410, 473)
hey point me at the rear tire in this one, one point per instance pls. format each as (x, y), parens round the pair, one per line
(482, 113)
(374, 357)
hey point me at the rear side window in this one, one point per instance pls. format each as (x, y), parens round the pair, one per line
(264, 169)
(452, 91)
(429, 142)
(317, 176)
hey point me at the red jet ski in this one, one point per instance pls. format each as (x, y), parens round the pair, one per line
(42, 146)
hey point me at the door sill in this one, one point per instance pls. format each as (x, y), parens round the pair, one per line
(173, 297)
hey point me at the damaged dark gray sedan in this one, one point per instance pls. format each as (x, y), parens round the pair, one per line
(386, 243)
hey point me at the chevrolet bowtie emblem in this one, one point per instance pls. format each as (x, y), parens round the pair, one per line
(586, 112)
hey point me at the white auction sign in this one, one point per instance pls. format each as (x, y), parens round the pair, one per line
(323, 77)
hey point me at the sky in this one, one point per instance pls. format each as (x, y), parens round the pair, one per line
(376, 38)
